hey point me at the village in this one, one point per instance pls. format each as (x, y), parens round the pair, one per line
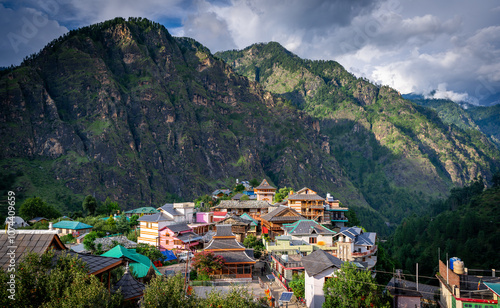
(250, 240)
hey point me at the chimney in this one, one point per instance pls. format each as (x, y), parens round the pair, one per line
(51, 227)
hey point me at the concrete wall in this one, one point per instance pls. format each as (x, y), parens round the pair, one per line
(315, 296)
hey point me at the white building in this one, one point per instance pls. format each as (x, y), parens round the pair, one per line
(319, 267)
(355, 245)
(310, 232)
(179, 212)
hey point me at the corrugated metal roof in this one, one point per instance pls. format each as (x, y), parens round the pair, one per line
(73, 225)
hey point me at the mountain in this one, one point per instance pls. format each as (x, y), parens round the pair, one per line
(466, 116)
(125, 110)
(399, 155)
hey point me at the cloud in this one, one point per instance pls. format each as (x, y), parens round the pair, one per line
(24, 32)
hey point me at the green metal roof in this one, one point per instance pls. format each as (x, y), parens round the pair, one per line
(140, 266)
(143, 210)
(74, 225)
(248, 217)
(494, 287)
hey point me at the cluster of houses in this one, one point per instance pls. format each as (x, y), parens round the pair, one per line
(304, 233)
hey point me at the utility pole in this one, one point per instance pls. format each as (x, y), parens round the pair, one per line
(187, 263)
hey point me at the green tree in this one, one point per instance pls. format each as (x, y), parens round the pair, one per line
(239, 188)
(133, 220)
(496, 180)
(205, 262)
(236, 297)
(353, 288)
(41, 282)
(149, 251)
(245, 198)
(251, 241)
(254, 182)
(298, 285)
(122, 225)
(109, 207)
(169, 292)
(36, 207)
(352, 219)
(88, 240)
(282, 194)
(90, 204)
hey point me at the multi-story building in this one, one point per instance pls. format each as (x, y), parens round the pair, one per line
(355, 245)
(274, 220)
(179, 236)
(265, 192)
(311, 232)
(308, 204)
(334, 212)
(254, 208)
(284, 266)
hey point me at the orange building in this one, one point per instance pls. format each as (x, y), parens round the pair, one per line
(308, 203)
(265, 192)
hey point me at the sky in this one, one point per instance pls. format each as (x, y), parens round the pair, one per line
(441, 49)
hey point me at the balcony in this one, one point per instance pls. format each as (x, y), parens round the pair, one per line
(293, 263)
(366, 253)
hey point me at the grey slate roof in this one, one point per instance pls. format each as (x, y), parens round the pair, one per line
(169, 208)
(222, 243)
(129, 287)
(238, 220)
(318, 261)
(179, 227)
(238, 204)
(237, 196)
(305, 197)
(358, 237)
(306, 227)
(155, 218)
(189, 237)
(235, 256)
(107, 242)
(26, 241)
(273, 215)
(224, 230)
(97, 264)
(265, 185)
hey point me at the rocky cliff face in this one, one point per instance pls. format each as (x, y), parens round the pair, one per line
(123, 109)
(397, 154)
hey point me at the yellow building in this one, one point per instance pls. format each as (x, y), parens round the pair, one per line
(150, 226)
(265, 192)
(308, 204)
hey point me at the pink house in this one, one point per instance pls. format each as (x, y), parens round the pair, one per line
(179, 236)
(205, 217)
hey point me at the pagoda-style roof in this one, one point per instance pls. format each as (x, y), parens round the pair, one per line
(265, 185)
(306, 197)
(283, 214)
(241, 256)
(129, 287)
(224, 244)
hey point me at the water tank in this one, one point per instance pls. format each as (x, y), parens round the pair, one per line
(453, 260)
(458, 267)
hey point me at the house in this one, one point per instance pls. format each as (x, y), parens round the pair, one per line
(16, 222)
(219, 215)
(131, 289)
(406, 294)
(285, 245)
(253, 208)
(308, 204)
(179, 212)
(203, 223)
(274, 220)
(239, 226)
(495, 289)
(75, 228)
(334, 212)
(150, 226)
(38, 219)
(99, 266)
(147, 210)
(38, 241)
(254, 224)
(284, 266)
(219, 193)
(319, 266)
(179, 236)
(237, 196)
(311, 232)
(238, 260)
(459, 289)
(355, 245)
(140, 264)
(265, 192)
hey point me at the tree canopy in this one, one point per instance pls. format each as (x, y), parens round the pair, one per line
(36, 207)
(90, 204)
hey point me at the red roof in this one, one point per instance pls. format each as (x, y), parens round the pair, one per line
(220, 213)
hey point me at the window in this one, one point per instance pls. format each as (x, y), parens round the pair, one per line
(313, 240)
